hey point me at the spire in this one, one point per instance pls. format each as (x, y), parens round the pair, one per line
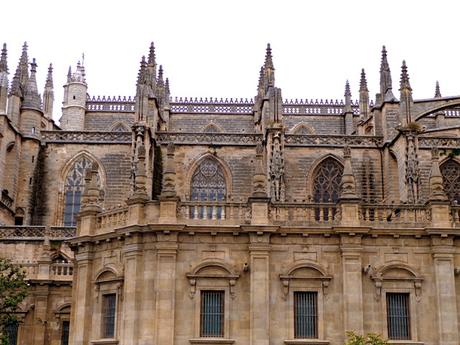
(48, 95)
(347, 95)
(268, 57)
(363, 96)
(160, 80)
(3, 62)
(31, 97)
(151, 70)
(21, 75)
(69, 74)
(405, 96)
(437, 92)
(385, 79)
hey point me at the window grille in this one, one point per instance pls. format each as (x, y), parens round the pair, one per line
(450, 171)
(398, 316)
(108, 315)
(212, 314)
(74, 184)
(208, 184)
(305, 314)
(11, 331)
(65, 332)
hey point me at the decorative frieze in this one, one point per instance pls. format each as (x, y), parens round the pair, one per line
(86, 137)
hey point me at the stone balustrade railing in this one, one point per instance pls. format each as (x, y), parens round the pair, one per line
(411, 215)
(23, 232)
(61, 271)
(112, 218)
(226, 212)
(304, 214)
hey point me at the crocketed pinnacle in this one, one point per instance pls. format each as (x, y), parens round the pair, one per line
(3, 61)
(167, 87)
(385, 78)
(404, 84)
(31, 97)
(363, 82)
(160, 75)
(151, 58)
(49, 77)
(268, 57)
(21, 75)
(142, 72)
(347, 98)
(437, 92)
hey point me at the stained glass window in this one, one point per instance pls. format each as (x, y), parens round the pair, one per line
(450, 171)
(208, 184)
(326, 181)
(73, 189)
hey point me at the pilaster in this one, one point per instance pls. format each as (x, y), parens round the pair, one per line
(352, 283)
(40, 315)
(443, 259)
(166, 287)
(259, 251)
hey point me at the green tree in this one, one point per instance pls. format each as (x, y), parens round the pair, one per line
(369, 339)
(13, 290)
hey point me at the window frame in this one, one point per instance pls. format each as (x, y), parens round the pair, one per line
(407, 311)
(62, 331)
(222, 314)
(316, 319)
(412, 312)
(103, 328)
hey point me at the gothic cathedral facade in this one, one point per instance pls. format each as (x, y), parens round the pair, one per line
(155, 220)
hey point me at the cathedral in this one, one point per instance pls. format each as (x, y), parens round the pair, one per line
(159, 220)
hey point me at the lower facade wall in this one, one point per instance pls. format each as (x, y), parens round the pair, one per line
(158, 279)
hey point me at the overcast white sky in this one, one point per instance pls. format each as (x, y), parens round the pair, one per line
(215, 48)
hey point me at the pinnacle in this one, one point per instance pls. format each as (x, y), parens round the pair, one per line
(160, 74)
(404, 77)
(363, 81)
(3, 62)
(49, 77)
(141, 75)
(33, 66)
(384, 61)
(347, 90)
(151, 58)
(268, 57)
(437, 92)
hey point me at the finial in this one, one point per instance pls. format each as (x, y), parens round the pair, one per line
(268, 57)
(404, 84)
(437, 92)
(363, 82)
(49, 77)
(151, 58)
(160, 73)
(31, 96)
(347, 95)
(167, 87)
(3, 62)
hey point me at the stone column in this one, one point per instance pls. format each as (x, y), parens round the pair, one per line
(82, 307)
(132, 251)
(443, 259)
(259, 251)
(352, 283)
(166, 288)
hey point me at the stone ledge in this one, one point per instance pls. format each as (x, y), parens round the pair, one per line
(405, 342)
(306, 342)
(209, 341)
(104, 342)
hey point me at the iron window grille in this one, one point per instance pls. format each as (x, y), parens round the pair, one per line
(109, 303)
(305, 314)
(398, 316)
(65, 332)
(212, 314)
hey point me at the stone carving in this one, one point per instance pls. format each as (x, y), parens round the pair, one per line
(209, 138)
(86, 137)
(277, 169)
(412, 170)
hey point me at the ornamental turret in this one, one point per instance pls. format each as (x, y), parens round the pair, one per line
(74, 103)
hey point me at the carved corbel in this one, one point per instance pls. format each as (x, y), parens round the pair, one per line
(192, 287)
(325, 285)
(285, 283)
(231, 284)
(418, 290)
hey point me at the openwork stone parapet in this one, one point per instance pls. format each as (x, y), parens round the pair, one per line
(209, 139)
(333, 140)
(448, 143)
(86, 137)
(36, 232)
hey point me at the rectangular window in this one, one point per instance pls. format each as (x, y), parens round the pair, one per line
(12, 332)
(65, 332)
(305, 314)
(212, 314)
(108, 315)
(398, 316)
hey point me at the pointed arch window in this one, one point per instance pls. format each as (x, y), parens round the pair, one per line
(208, 184)
(450, 171)
(73, 189)
(326, 181)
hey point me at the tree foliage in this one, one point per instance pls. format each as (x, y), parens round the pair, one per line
(369, 339)
(13, 290)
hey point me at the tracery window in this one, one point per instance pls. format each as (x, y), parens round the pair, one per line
(450, 171)
(73, 189)
(326, 181)
(208, 184)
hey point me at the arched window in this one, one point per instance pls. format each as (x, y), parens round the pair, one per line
(74, 183)
(326, 181)
(208, 184)
(450, 171)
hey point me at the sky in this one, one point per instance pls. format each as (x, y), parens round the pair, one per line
(214, 48)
